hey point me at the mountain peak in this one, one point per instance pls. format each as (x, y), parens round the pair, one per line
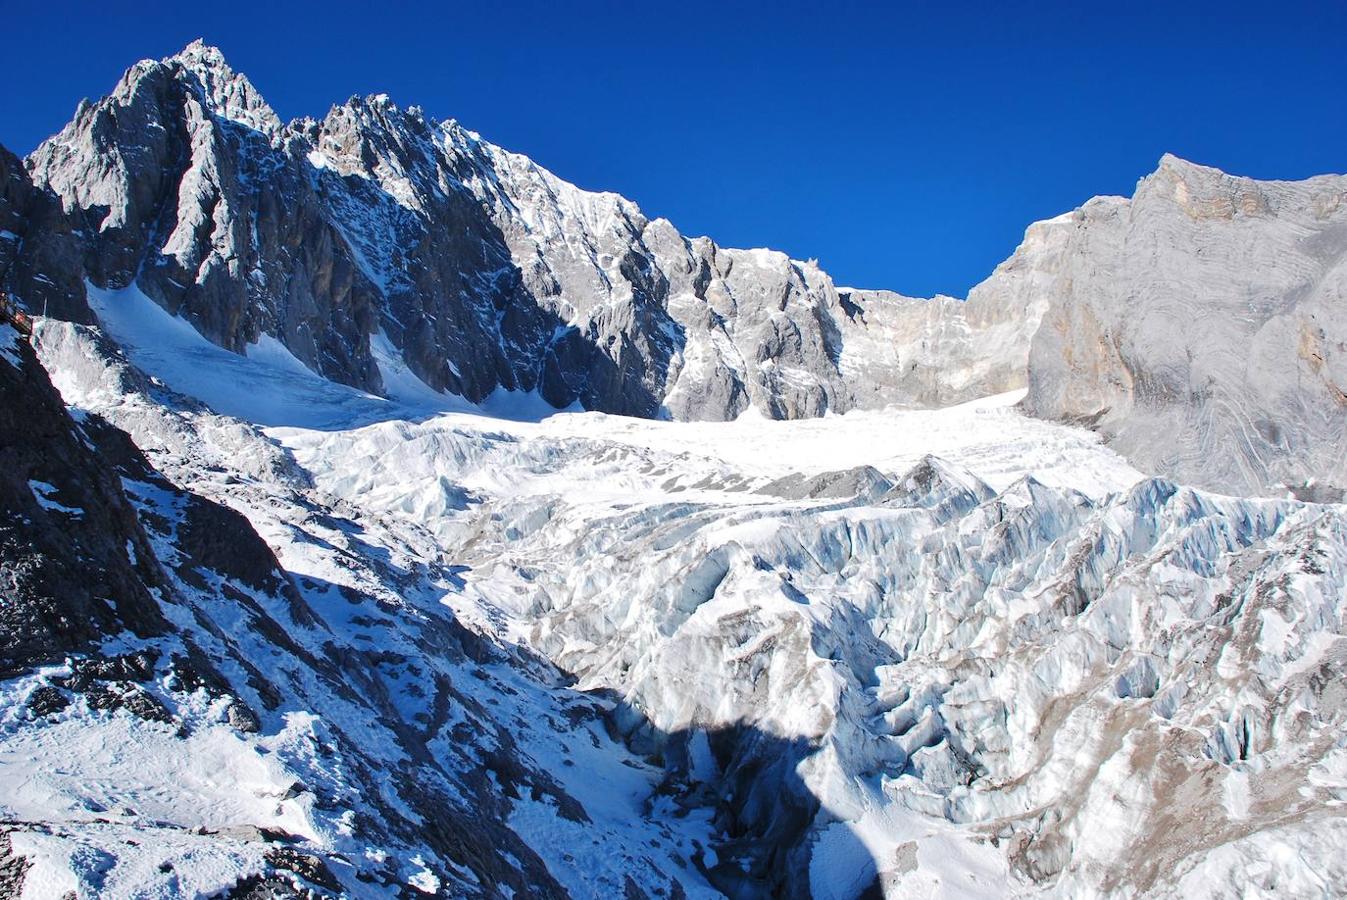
(1180, 165)
(228, 93)
(200, 54)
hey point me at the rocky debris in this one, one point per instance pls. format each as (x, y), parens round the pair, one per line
(307, 866)
(110, 683)
(273, 887)
(221, 539)
(47, 700)
(13, 869)
(133, 698)
(131, 667)
(196, 672)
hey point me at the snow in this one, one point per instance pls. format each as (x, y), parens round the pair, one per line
(9, 344)
(43, 492)
(269, 385)
(406, 467)
(423, 879)
(134, 771)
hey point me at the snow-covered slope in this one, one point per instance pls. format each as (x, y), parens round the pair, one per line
(309, 717)
(834, 661)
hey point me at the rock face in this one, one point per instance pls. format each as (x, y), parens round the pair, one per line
(1200, 327)
(484, 270)
(40, 256)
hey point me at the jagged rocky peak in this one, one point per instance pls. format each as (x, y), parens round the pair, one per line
(196, 83)
(481, 269)
(229, 93)
(1204, 192)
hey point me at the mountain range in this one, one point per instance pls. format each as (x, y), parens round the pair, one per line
(385, 516)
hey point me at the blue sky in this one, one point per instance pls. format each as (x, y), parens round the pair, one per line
(904, 146)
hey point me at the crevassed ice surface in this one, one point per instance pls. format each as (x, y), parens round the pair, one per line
(980, 655)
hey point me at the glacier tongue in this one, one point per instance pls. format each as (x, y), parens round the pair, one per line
(953, 652)
(1019, 665)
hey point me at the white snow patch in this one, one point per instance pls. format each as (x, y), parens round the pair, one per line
(9, 344)
(42, 493)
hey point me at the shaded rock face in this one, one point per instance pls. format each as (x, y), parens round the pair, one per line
(40, 256)
(1199, 326)
(176, 183)
(74, 563)
(482, 269)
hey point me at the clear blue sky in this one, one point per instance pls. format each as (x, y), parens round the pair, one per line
(905, 146)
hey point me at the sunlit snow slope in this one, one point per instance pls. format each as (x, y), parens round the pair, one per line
(953, 653)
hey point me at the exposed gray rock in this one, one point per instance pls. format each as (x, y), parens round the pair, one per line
(863, 481)
(1201, 328)
(483, 270)
(40, 256)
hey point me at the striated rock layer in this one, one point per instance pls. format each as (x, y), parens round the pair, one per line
(1201, 328)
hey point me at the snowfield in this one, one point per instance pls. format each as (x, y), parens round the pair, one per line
(951, 653)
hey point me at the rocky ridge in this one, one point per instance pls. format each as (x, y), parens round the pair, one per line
(1200, 327)
(379, 232)
(482, 269)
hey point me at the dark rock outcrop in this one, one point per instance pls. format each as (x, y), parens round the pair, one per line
(75, 564)
(40, 254)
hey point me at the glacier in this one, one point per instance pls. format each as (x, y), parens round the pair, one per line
(956, 652)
